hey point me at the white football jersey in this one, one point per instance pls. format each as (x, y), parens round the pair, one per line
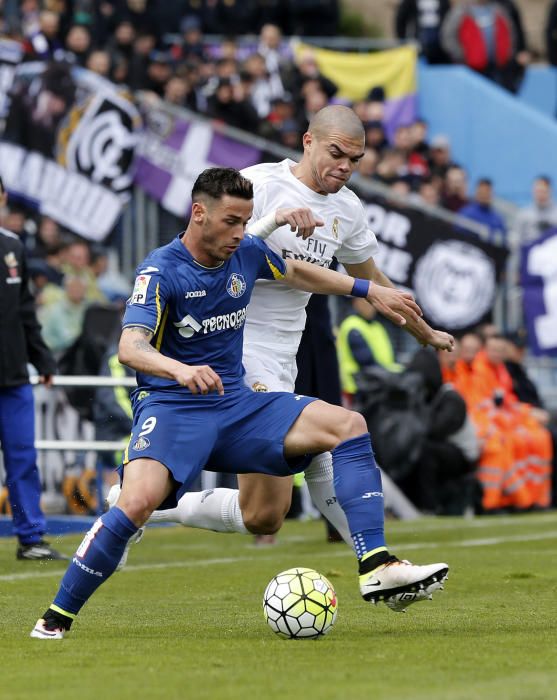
(345, 235)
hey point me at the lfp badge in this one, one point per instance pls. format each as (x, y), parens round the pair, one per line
(236, 285)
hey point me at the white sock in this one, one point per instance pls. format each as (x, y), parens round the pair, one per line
(319, 478)
(212, 509)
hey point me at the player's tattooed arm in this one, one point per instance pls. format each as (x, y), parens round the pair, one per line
(136, 351)
(142, 342)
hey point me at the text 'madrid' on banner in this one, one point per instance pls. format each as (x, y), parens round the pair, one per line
(68, 144)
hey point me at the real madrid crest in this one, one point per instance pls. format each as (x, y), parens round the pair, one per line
(259, 386)
(335, 228)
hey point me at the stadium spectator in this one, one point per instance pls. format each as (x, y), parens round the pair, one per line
(363, 342)
(98, 61)
(122, 42)
(428, 192)
(111, 283)
(527, 392)
(78, 44)
(513, 75)
(481, 209)
(418, 137)
(71, 308)
(34, 115)
(191, 47)
(422, 21)
(159, 72)
(391, 167)
(541, 215)
(304, 69)
(20, 335)
(442, 481)
(265, 86)
(43, 43)
(454, 194)
(439, 156)
(368, 162)
(143, 45)
(229, 104)
(47, 237)
(515, 462)
(270, 39)
(480, 35)
(375, 136)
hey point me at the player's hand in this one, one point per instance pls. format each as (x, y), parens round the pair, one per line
(440, 340)
(199, 379)
(394, 304)
(302, 220)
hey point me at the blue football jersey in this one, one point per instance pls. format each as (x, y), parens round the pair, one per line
(197, 313)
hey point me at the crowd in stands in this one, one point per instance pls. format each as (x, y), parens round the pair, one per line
(472, 433)
(261, 87)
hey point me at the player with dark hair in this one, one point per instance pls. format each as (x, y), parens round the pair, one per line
(331, 221)
(188, 307)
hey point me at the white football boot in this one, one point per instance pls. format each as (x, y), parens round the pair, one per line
(111, 500)
(47, 629)
(400, 583)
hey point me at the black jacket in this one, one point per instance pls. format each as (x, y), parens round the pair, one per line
(20, 332)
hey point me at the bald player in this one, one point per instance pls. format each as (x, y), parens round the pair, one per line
(311, 198)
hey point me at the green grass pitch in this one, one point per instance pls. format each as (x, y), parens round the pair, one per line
(184, 620)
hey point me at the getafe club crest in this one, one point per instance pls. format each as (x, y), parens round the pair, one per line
(141, 444)
(236, 285)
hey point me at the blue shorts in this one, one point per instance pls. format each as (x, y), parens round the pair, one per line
(241, 432)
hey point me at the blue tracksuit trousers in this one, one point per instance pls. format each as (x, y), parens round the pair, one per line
(17, 437)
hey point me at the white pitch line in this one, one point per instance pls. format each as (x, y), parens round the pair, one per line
(131, 568)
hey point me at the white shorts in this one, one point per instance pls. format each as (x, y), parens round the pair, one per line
(269, 367)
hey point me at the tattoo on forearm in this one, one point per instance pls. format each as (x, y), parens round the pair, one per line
(143, 345)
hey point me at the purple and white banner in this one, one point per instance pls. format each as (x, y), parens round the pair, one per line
(11, 53)
(173, 151)
(67, 147)
(538, 277)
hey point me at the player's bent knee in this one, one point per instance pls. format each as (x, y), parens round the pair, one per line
(358, 425)
(352, 425)
(137, 507)
(265, 521)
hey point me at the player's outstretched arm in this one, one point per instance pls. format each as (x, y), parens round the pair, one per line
(301, 220)
(389, 301)
(413, 323)
(135, 351)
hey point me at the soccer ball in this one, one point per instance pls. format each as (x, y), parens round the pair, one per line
(300, 604)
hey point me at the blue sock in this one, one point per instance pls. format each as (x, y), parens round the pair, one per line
(95, 560)
(358, 488)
